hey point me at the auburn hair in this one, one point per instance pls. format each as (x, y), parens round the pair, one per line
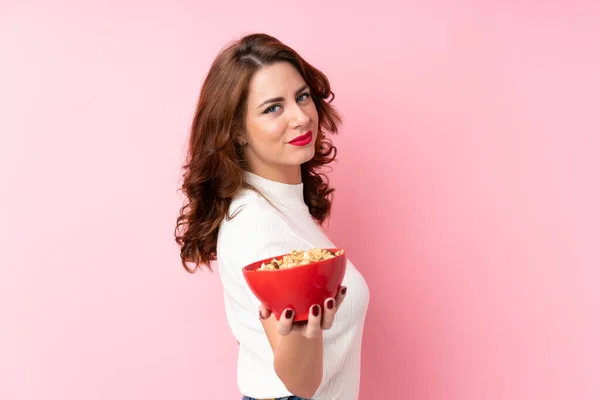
(214, 166)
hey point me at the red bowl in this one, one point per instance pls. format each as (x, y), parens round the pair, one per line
(298, 287)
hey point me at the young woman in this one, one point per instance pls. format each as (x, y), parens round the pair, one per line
(255, 190)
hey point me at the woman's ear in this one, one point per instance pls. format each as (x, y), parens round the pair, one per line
(241, 140)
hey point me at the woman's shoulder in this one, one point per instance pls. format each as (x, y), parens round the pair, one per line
(254, 227)
(249, 212)
(249, 204)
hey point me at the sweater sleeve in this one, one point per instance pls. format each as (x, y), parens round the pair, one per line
(253, 234)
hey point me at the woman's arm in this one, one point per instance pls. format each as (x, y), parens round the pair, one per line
(298, 347)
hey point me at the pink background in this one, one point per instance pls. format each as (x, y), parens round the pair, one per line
(468, 194)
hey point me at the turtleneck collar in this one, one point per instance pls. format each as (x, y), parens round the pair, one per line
(287, 195)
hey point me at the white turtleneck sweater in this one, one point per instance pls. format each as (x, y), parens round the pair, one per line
(258, 231)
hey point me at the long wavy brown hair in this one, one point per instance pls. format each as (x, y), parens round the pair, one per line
(213, 170)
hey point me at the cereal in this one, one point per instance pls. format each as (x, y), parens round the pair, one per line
(299, 257)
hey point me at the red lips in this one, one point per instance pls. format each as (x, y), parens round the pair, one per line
(302, 140)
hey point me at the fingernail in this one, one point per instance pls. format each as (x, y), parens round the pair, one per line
(330, 304)
(315, 310)
(344, 290)
(288, 314)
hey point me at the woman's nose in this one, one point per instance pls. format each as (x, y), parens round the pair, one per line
(300, 117)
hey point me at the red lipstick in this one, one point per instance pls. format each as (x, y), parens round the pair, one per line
(302, 140)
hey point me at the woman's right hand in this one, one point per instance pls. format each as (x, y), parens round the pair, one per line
(318, 319)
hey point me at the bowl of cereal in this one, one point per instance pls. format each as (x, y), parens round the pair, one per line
(297, 280)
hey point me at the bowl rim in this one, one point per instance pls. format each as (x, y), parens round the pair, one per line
(247, 269)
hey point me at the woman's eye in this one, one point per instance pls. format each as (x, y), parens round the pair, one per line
(274, 108)
(271, 109)
(303, 96)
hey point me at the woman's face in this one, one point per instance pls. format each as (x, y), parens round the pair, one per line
(281, 123)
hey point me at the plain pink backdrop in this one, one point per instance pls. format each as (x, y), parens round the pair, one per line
(468, 193)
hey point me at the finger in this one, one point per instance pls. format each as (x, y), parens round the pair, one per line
(328, 313)
(340, 297)
(284, 327)
(313, 328)
(263, 312)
